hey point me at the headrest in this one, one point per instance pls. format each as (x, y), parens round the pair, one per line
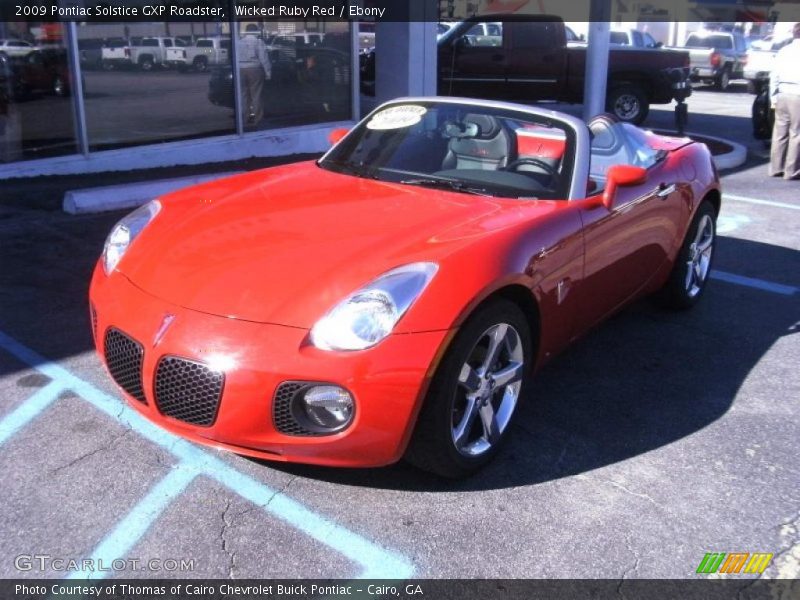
(488, 127)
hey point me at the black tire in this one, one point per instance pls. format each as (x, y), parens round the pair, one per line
(146, 63)
(433, 446)
(629, 103)
(678, 293)
(200, 64)
(106, 65)
(723, 80)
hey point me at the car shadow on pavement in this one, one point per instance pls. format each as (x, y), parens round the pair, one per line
(643, 380)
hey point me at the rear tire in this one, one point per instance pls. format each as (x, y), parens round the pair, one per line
(629, 103)
(146, 63)
(723, 80)
(201, 64)
(471, 401)
(689, 276)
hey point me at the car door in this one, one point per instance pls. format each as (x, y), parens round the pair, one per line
(537, 64)
(473, 62)
(35, 73)
(627, 243)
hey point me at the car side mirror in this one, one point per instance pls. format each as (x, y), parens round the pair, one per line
(658, 45)
(337, 134)
(622, 176)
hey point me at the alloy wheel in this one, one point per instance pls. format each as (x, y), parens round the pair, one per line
(626, 107)
(488, 390)
(699, 262)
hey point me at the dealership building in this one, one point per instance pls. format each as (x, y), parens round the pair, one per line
(83, 97)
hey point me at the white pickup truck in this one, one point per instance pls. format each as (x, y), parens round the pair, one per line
(760, 57)
(204, 53)
(145, 53)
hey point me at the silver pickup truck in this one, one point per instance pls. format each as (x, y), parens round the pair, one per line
(716, 57)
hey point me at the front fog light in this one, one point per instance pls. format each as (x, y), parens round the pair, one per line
(328, 407)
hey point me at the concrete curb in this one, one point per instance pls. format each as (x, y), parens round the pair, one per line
(730, 160)
(129, 195)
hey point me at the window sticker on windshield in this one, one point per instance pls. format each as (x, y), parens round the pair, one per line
(397, 117)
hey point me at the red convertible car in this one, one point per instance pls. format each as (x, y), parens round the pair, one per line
(393, 298)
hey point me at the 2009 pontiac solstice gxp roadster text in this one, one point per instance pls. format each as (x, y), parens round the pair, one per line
(394, 297)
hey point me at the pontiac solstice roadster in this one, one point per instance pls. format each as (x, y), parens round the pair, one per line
(394, 298)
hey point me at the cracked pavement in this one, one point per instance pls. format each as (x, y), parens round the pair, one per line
(655, 439)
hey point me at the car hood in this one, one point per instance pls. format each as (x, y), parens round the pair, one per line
(284, 245)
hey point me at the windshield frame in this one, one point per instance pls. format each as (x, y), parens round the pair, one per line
(576, 130)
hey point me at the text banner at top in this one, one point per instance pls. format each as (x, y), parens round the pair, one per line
(385, 10)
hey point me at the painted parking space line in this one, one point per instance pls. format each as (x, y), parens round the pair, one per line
(27, 411)
(752, 282)
(135, 524)
(759, 201)
(375, 561)
(728, 223)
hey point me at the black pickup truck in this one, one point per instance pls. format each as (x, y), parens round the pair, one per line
(528, 58)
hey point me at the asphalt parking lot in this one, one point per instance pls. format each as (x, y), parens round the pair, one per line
(656, 439)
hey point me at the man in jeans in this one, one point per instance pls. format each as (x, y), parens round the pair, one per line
(784, 93)
(255, 69)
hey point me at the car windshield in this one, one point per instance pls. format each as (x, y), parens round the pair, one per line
(460, 147)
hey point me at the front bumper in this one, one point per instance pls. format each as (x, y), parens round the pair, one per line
(387, 381)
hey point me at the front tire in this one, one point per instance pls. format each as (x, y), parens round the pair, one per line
(689, 276)
(628, 103)
(472, 399)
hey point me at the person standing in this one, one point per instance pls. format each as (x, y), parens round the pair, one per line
(254, 68)
(784, 93)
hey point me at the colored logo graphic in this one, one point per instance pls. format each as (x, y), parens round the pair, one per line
(736, 562)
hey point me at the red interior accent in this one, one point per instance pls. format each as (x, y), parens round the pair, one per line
(531, 143)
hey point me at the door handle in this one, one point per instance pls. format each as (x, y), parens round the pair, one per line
(665, 190)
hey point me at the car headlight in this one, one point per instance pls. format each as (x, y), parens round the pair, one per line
(124, 232)
(369, 315)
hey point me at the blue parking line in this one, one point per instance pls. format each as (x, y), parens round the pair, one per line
(752, 282)
(375, 561)
(759, 201)
(23, 414)
(136, 523)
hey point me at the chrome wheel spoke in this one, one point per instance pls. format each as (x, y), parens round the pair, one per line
(491, 428)
(461, 431)
(508, 374)
(469, 379)
(689, 274)
(497, 337)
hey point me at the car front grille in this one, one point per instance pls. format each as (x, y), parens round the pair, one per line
(124, 360)
(188, 390)
(282, 415)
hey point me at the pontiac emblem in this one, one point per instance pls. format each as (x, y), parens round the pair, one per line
(165, 323)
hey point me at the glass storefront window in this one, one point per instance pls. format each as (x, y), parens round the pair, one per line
(294, 73)
(36, 112)
(147, 83)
